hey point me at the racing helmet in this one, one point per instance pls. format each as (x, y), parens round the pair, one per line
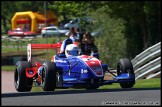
(71, 50)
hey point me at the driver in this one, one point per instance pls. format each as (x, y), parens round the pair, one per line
(71, 50)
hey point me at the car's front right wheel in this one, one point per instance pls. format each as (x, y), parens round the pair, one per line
(21, 81)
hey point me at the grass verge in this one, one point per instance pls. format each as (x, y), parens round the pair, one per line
(8, 68)
(141, 83)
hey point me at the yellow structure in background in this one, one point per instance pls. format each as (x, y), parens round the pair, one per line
(34, 19)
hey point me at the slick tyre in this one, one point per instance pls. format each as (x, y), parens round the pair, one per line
(49, 76)
(125, 66)
(21, 82)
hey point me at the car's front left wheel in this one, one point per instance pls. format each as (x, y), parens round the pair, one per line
(49, 76)
(125, 66)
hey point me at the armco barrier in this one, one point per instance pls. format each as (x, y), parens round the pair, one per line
(148, 62)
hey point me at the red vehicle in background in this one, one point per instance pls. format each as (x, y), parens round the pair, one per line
(21, 32)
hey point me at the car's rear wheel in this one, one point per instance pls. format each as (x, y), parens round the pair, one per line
(49, 76)
(21, 82)
(125, 66)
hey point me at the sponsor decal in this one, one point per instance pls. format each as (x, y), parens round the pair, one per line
(61, 61)
(92, 62)
(84, 71)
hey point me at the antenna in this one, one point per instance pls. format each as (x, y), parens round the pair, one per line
(45, 14)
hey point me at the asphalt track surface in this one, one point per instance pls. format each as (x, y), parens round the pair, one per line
(99, 97)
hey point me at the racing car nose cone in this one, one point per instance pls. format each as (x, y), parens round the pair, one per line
(95, 66)
(93, 63)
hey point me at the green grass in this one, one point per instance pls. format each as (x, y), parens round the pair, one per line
(141, 83)
(8, 68)
(14, 45)
(6, 50)
(36, 40)
(149, 83)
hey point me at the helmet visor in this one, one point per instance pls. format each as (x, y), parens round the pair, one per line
(73, 52)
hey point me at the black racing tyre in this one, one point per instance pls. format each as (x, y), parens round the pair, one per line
(49, 76)
(125, 66)
(21, 82)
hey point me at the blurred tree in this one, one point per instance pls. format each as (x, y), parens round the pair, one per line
(153, 15)
(139, 17)
(138, 21)
(111, 43)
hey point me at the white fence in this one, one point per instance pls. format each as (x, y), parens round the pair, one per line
(148, 63)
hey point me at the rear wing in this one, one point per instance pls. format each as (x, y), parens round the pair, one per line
(30, 47)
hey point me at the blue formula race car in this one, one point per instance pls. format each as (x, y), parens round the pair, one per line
(77, 70)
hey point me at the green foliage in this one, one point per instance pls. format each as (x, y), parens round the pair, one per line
(69, 9)
(142, 28)
(129, 26)
(153, 15)
(10, 7)
(112, 43)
